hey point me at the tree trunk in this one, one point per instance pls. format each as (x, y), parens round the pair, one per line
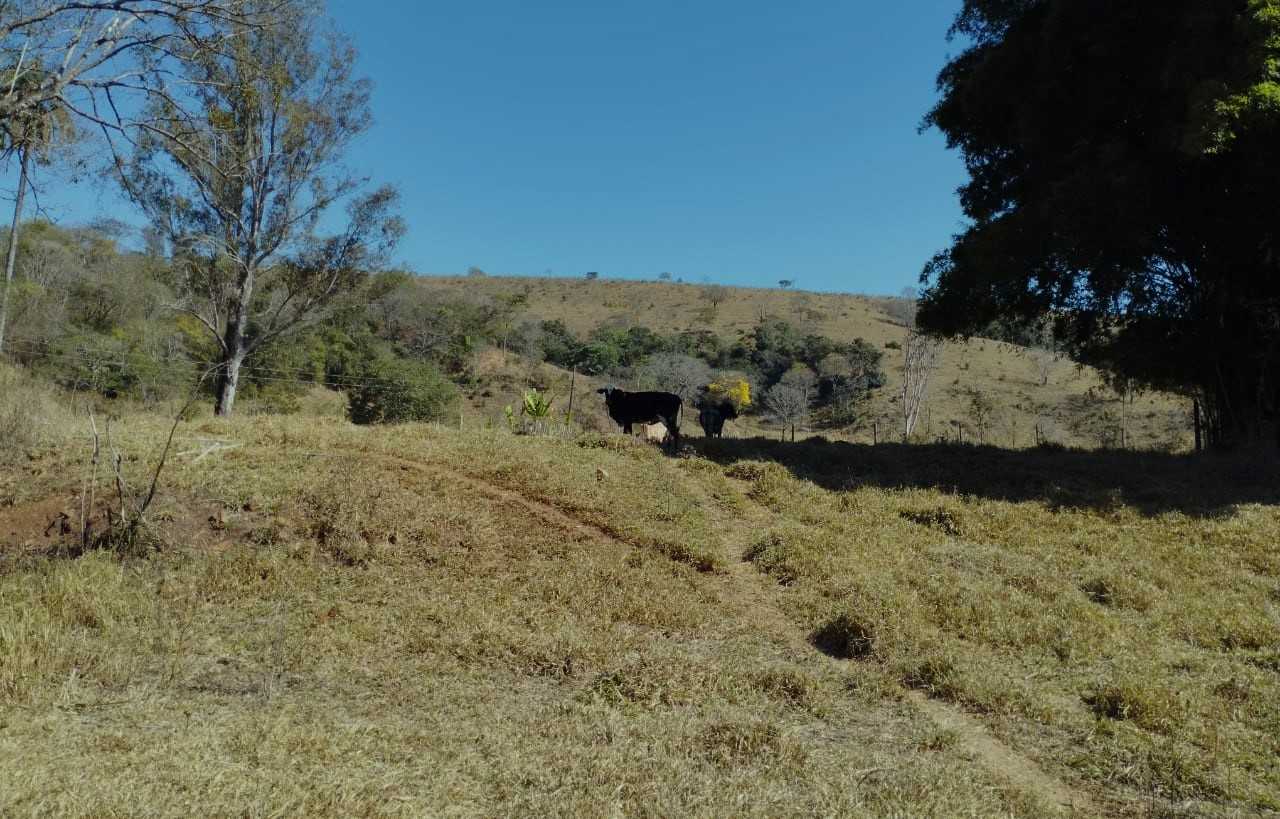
(228, 384)
(12, 256)
(235, 348)
(1122, 424)
(1233, 417)
(1195, 409)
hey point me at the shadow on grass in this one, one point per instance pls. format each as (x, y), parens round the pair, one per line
(1152, 483)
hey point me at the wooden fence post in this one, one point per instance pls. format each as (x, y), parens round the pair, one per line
(573, 378)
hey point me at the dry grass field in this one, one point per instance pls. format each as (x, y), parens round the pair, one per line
(1073, 408)
(322, 619)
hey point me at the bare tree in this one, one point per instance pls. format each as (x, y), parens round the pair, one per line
(788, 405)
(240, 172)
(85, 55)
(920, 360)
(676, 373)
(1042, 362)
(802, 378)
(904, 307)
(715, 295)
(982, 413)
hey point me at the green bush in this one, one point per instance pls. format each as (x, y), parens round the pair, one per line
(394, 389)
(119, 365)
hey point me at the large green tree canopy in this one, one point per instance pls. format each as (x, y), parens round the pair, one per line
(1124, 162)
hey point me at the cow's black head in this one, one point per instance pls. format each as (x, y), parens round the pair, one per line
(607, 392)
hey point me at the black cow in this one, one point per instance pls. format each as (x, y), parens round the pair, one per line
(629, 408)
(712, 417)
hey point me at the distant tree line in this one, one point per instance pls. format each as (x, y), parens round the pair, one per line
(836, 377)
(96, 316)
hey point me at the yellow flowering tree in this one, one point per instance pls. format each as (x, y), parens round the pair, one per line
(737, 391)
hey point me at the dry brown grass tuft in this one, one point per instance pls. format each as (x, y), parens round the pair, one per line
(1149, 706)
(733, 744)
(944, 520)
(32, 415)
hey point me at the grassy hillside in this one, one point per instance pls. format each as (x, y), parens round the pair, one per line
(330, 620)
(1074, 408)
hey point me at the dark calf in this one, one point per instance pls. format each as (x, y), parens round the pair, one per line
(712, 417)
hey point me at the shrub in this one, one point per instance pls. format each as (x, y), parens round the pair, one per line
(124, 364)
(393, 390)
(284, 398)
(845, 637)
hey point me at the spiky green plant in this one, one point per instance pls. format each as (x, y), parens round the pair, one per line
(535, 409)
(536, 405)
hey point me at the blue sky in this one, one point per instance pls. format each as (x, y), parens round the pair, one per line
(740, 142)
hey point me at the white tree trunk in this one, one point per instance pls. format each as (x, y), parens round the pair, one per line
(921, 357)
(235, 347)
(228, 384)
(12, 256)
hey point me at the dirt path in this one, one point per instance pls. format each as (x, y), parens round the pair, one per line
(496, 492)
(1001, 760)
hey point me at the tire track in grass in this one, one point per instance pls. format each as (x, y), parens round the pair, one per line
(974, 739)
(1017, 769)
(542, 509)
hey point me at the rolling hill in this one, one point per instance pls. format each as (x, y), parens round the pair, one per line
(1067, 403)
